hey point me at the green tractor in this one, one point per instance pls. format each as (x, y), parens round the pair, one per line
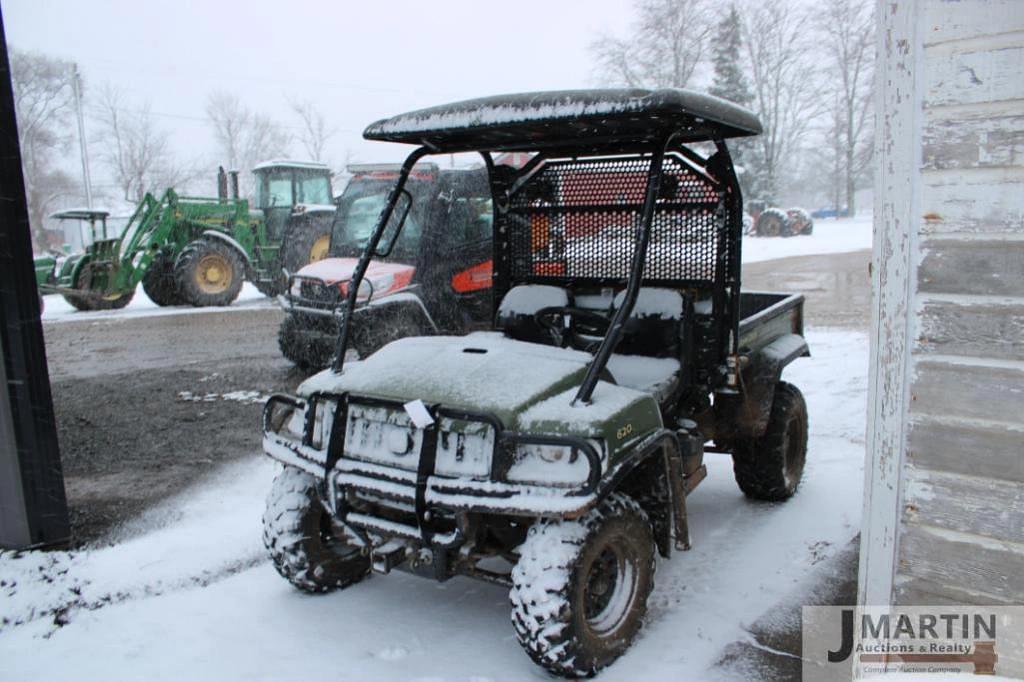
(198, 251)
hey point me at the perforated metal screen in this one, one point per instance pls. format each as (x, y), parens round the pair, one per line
(578, 219)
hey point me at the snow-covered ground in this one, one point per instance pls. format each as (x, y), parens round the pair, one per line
(57, 309)
(186, 593)
(831, 235)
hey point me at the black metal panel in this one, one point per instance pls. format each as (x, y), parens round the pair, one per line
(40, 500)
(576, 219)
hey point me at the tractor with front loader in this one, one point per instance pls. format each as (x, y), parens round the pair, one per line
(555, 452)
(199, 251)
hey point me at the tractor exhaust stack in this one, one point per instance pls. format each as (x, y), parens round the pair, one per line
(234, 184)
(222, 184)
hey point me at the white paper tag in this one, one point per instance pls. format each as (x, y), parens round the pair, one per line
(418, 413)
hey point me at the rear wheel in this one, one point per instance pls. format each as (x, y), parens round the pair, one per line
(303, 544)
(770, 467)
(771, 223)
(209, 273)
(579, 590)
(160, 284)
(306, 241)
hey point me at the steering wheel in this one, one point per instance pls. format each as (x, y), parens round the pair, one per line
(554, 320)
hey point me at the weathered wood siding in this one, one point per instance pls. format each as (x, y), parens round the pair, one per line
(961, 525)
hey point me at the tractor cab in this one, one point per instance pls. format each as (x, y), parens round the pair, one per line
(286, 188)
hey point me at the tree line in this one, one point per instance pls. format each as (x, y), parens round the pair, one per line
(127, 141)
(806, 71)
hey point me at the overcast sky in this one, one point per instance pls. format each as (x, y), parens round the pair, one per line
(357, 61)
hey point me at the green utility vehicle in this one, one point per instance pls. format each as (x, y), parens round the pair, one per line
(554, 453)
(198, 251)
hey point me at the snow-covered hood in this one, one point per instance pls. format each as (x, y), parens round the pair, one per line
(383, 277)
(484, 372)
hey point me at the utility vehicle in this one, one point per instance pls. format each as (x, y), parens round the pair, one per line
(199, 250)
(554, 453)
(437, 278)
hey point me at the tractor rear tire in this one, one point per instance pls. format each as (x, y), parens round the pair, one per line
(304, 546)
(306, 241)
(771, 223)
(770, 467)
(209, 273)
(307, 341)
(159, 282)
(580, 587)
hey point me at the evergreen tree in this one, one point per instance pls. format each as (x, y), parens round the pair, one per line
(729, 83)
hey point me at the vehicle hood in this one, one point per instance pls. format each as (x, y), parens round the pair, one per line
(482, 372)
(334, 270)
(381, 278)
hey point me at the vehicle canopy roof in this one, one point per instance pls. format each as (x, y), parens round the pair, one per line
(81, 214)
(570, 119)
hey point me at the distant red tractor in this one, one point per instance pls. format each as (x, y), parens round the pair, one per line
(776, 222)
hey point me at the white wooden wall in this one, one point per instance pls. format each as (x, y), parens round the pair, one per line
(944, 509)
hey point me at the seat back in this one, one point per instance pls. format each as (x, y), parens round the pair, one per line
(517, 309)
(656, 325)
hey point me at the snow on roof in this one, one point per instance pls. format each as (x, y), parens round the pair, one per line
(526, 119)
(81, 213)
(290, 163)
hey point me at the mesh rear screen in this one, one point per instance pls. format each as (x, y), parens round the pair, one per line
(578, 219)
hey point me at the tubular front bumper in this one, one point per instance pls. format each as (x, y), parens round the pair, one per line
(328, 303)
(319, 450)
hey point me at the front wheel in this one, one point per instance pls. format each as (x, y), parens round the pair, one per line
(111, 301)
(771, 223)
(579, 590)
(770, 467)
(209, 273)
(307, 341)
(301, 540)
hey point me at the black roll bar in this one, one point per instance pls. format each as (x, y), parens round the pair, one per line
(368, 253)
(611, 339)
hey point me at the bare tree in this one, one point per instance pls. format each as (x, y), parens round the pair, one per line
(245, 137)
(137, 154)
(665, 47)
(43, 101)
(776, 40)
(848, 27)
(315, 131)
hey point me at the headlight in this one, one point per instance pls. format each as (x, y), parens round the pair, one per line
(551, 465)
(464, 448)
(284, 419)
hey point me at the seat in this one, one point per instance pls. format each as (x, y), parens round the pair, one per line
(520, 304)
(656, 324)
(657, 376)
